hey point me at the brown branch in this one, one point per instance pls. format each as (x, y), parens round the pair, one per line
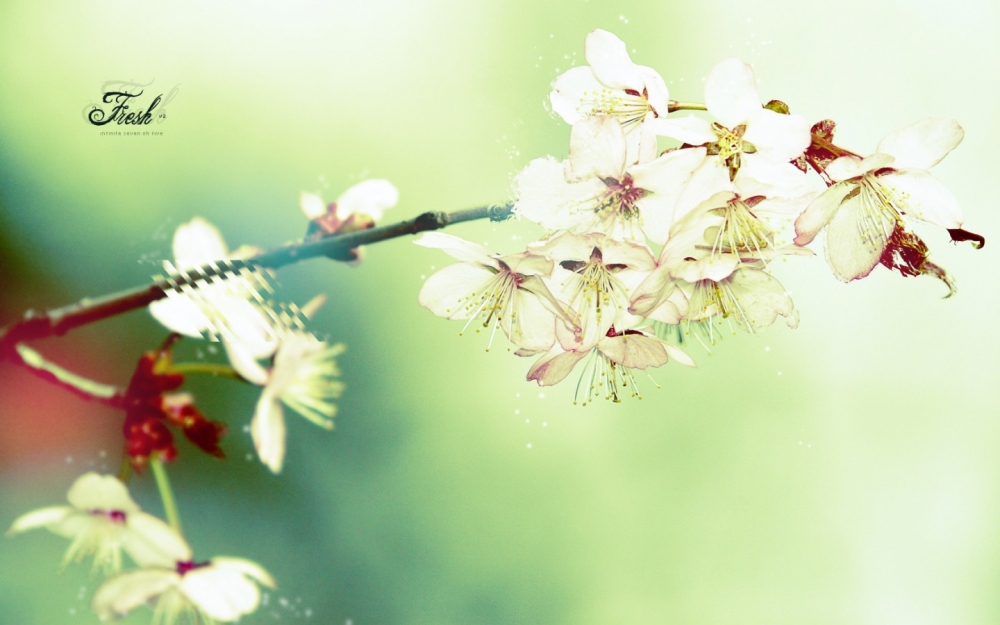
(58, 321)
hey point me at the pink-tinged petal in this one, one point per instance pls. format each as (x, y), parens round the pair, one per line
(123, 593)
(545, 197)
(820, 211)
(609, 60)
(536, 286)
(655, 289)
(151, 542)
(554, 366)
(456, 247)
(642, 145)
(197, 242)
(635, 256)
(569, 246)
(923, 144)
(924, 197)
(672, 310)
(43, 517)
(850, 255)
(370, 197)
(715, 268)
(312, 205)
(786, 208)
(848, 167)
(731, 93)
(761, 299)
(92, 491)
(528, 264)
(597, 148)
(687, 236)
(656, 90)
(634, 351)
(776, 136)
(221, 593)
(533, 326)
(571, 95)
(268, 432)
(690, 130)
(449, 292)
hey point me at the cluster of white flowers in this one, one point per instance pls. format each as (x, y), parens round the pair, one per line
(643, 244)
(103, 520)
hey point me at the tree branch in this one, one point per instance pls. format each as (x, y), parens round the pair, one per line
(58, 321)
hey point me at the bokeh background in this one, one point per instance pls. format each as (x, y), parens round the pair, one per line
(843, 472)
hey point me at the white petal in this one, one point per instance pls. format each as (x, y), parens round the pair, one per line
(449, 292)
(180, 313)
(123, 593)
(244, 363)
(268, 432)
(691, 130)
(663, 179)
(554, 366)
(820, 211)
(43, 517)
(924, 197)
(634, 351)
(92, 491)
(571, 91)
(714, 268)
(776, 136)
(245, 567)
(456, 247)
(710, 178)
(370, 197)
(609, 60)
(151, 542)
(923, 144)
(731, 94)
(761, 299)
(534, 325)
(545, 197)
(851, 256)
(597, 148)
(197, 242)
(656, 90)
(847, 167)
(220, 592)
(312, 205)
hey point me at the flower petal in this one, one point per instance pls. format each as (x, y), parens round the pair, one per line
(123, 593)
(820, 211)
(925, 198)
(92, 491)
(268, 432)
(180, 313)
(554, 366)
(731, 93)
(610, 62)
(691, 130)
(151, 542)
(923, 144)
(197, 242)
(312, 205)
(370, 197)
(851, 255)
(545, 197)
(571, 94)
(449, 292)
(847, 167)
(221, 592)
(597, 148)
(456, 247)
(43, 517)
(776, 136)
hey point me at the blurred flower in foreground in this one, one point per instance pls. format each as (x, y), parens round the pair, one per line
(102, 519)
(303, 377)
(227, 307)
(221, 589)
(356, 209)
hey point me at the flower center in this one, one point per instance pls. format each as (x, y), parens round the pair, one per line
(881, 209)
(116, 516)
(630, 106)
(730, 146)
(714, 301)
(598, 285)
(494, 301)
(741, 231)
(186, 566)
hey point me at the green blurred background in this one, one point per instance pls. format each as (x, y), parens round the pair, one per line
(844, 472)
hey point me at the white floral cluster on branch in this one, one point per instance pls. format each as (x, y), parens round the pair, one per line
(644, 244)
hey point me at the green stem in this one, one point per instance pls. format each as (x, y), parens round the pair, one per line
(166, 493)
(208, 368)
(673, 106)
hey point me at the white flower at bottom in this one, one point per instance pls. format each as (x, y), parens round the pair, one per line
(304, 379)
(102, 519)
(222, 589)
